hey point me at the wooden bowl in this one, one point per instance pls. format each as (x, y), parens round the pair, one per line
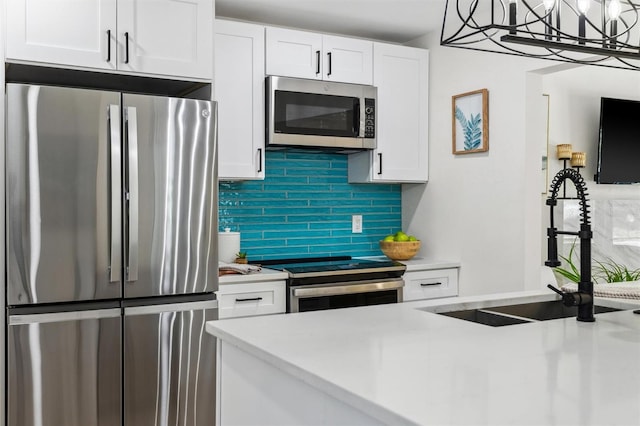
(400, 250)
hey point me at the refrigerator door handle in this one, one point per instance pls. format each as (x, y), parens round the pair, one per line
(132, 196)
(116, 201)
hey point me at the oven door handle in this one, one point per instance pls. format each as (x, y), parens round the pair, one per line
(346, 288)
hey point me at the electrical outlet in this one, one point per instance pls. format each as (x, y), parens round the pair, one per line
(356, 224)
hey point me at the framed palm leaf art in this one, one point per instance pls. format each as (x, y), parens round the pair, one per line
(470, 116)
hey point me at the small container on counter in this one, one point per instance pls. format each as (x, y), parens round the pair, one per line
(228, 245)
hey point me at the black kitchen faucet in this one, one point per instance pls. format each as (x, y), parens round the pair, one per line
(583, 298)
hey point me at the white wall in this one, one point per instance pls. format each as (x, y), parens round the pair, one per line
(575, 115)
(487, 210)
(483, 209)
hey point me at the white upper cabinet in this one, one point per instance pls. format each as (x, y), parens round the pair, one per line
(239, 90)
(347, 60)
(402, 76)
(170, 37)
(302, 54)
(81, 33)
(160, 37)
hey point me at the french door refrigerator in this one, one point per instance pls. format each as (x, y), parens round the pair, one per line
(111, 208)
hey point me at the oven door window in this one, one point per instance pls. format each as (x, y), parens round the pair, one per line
(315, 114)
(347, 300)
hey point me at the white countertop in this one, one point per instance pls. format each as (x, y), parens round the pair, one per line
(405, 365)
(255, 277)
(422, 263)
(266, 274)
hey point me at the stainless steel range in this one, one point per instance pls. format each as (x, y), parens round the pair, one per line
(339, 282)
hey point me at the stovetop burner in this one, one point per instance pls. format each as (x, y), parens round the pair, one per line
(332, 266)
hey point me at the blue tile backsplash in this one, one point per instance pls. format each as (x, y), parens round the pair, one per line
(303, 208)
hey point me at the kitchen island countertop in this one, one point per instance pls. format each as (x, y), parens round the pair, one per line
(402, 364)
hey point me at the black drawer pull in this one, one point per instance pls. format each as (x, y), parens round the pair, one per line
(249, 299)
(429, 284)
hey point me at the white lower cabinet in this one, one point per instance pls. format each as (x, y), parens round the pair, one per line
(249, 299)
(430, 284)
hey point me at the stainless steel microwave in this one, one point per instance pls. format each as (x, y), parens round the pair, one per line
(320, 114)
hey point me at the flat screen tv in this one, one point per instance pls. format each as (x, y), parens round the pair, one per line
(619, 144)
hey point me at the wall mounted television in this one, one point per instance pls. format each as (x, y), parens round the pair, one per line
(619, 143)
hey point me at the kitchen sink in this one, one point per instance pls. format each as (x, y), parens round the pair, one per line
(485, 317)
(543, 311)
(497, 316)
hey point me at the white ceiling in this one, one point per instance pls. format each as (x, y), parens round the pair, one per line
(388, 20)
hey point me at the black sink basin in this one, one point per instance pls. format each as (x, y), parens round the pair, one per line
(543, 311)
(497, 316)
(485, 317)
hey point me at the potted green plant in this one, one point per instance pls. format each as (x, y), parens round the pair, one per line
(241, 257)
(608, 271)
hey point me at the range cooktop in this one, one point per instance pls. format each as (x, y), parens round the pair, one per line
(298, 268)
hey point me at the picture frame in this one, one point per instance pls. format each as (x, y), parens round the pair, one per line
(470, 122)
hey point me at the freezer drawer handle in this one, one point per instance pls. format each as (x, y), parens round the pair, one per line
(132, 144)
(249, 299)
(116, 183)
(429, 284)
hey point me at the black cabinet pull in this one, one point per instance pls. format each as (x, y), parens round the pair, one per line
(259, 160)
(249, 299)
(317, 62)
(379, 163)
(429, 284)
(329, 72)
(126, 48)
(108, 45)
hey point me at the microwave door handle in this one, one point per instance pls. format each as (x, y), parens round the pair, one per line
(116, 200)
(132, 139)
(356, 119)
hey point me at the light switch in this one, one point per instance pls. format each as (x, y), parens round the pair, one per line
(356, 224)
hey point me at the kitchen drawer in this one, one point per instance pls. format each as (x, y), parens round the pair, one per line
(248, 299)
(430, 284)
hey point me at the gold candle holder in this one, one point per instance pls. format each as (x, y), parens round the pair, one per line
(564, 151)
(578, 159)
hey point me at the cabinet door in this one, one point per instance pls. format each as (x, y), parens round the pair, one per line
(239, 90)
(249, 299)
(166, 37)
(69, 32)
(401, 75)
(430, 284)
(292, 53)
(347, 60)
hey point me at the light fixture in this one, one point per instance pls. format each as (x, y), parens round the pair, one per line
(592, 32)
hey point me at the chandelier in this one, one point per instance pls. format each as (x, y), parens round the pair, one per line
(592, 32)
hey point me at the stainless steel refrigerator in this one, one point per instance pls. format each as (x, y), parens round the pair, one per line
(111, 220)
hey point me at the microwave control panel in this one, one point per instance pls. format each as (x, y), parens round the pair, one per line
(369, 118)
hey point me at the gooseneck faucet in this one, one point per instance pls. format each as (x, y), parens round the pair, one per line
(583, 298)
